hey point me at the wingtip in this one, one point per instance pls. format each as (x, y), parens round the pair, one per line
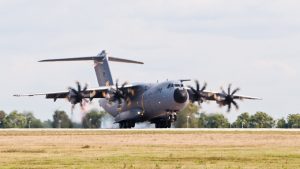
(257, 98)
(21, 95)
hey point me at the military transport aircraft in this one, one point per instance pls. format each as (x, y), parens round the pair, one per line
(157, 103)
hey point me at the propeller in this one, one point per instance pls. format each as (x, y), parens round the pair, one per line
(228, 98)
(120, 94)
(197, 94)
(78, 96)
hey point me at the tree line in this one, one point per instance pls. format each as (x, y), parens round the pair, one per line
(191, 118)
(60, 119)
(188, 118)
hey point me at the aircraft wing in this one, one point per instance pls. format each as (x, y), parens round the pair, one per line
(211, 95)
(95, 93)
(89, 93)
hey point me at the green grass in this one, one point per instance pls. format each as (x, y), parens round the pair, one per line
(149, 149)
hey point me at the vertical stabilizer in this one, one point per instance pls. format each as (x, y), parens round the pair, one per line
(102, 70)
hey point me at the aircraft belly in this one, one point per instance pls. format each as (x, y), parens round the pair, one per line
(125, 112)
(133, 114)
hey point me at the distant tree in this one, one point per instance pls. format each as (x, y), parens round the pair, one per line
(281, 123)
(2, 116)
(217, 121)
(293, 121)
(261, 120)
(190, 113)
(202, 121)
(61, 120)
(92, 119)
(32, 121)
(77, 124)
(242, 121)
(15, 120)
(48, 124)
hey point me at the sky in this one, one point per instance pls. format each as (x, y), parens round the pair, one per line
(252, 44)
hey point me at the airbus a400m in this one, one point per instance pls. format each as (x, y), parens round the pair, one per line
(129, 104)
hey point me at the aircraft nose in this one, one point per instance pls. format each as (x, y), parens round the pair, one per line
(180, 95)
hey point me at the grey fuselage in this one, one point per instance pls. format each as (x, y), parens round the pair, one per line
(150, 101)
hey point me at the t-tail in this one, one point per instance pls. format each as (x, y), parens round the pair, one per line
(101, 66)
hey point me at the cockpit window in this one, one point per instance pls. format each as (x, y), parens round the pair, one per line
(174, 85)
(170, 85)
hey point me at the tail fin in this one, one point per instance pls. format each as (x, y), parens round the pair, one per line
(102, 69)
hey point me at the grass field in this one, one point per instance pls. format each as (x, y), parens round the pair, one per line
(149, 149)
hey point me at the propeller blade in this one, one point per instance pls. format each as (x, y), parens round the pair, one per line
(197, 85)
(229, 107)
(124, 84)
(85, 87)
(78, 86)
(229, 88)
(193, 89)
(117, 81)
(235, 91)
(204, 87)
(235, 104)
(73, 91)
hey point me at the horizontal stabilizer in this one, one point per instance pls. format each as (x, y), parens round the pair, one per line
(114, 59)
(93, 58)
(97, 58)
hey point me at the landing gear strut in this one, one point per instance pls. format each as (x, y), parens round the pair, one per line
(126, 124)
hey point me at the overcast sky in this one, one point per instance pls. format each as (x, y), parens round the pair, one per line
(252, 44)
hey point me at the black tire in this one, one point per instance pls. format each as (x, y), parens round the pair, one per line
(169, 124)
(121, 125)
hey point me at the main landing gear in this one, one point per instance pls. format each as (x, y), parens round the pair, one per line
(126, 124)
(165, 122)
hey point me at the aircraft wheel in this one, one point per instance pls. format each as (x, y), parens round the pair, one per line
(121, 125)
(163, 124)
(168, 124)
(158, 125)
(126, 124)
